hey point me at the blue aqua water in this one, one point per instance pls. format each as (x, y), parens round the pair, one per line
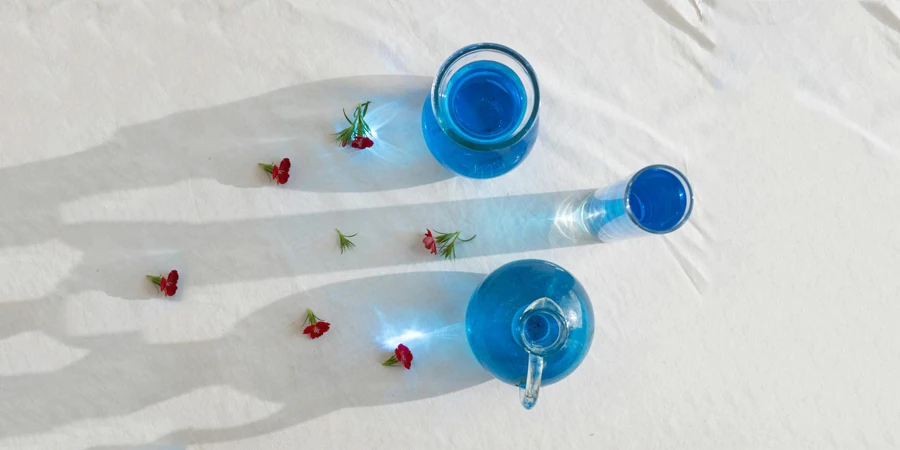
(658, 199)
(499, 300)
(484, 103)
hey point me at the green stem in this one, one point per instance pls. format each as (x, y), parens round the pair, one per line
(447, 243)
(344, 241)
(358, 115)
(266, 167)
(310, 317)
(390, 361)
(154, 279)
(358, 125)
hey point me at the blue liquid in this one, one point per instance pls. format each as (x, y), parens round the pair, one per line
(541, 329)
(499, 301)
(484, 103)
(658, 199)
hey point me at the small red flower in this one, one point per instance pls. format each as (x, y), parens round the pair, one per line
(404, 355)
(430, 243)
(317, 327)
(401, 355)
(280, 173)
(168, 284)
(361, 142)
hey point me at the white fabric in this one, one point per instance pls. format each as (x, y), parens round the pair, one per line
(129, 138)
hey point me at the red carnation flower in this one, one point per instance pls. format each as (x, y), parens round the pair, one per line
(168, 284)
(361, 142)
(401, 355)
(429, 242)
(280, 173)
(317, 327)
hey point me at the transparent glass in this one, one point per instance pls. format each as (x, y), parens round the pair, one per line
(530, 323)
(655, 200)
(481, 119)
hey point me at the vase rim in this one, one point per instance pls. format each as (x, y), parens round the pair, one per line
(689, 192)
(530, 117)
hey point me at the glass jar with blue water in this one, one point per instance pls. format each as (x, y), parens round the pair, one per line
(530, 323)
(657, 199)
(481, 119)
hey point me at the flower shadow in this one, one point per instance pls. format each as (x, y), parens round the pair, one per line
(267, 356)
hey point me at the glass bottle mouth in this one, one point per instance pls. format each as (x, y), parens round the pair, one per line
(688, 190)
(500, 54)
(541, 327)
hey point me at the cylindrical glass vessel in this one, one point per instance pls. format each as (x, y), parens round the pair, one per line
(481, 119)
(655, 200)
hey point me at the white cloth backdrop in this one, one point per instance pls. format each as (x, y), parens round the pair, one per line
(129, 137)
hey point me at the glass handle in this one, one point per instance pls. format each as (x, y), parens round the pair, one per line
(542, 330)
(529, 393)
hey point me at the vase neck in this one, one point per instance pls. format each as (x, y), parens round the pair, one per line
(516, 69)
(541, 327)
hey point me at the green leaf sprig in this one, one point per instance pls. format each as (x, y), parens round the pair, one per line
(344, 241)
(358, 125)
(446, 243)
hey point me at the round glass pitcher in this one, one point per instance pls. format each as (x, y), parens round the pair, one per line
(481, 119)
(530, 323)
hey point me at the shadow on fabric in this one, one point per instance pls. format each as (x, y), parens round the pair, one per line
(225, 143)
(116, 255)
(267, 356)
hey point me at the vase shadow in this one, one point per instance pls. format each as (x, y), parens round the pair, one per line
(276, 247)
(296, 122)
(225, 143)
(267, 356)
(115, 256)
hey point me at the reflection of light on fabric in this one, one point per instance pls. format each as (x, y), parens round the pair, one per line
(568, 221)
(390, 341)
(421, 330)
(379, 115)
(394, 128)
(406, 336)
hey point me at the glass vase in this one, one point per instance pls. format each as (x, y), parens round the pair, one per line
(655, 200)
(481, 119)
